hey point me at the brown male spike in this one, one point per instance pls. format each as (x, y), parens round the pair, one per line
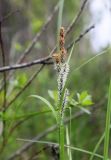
(61, 56)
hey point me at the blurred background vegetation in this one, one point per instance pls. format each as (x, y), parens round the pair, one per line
(17, 32)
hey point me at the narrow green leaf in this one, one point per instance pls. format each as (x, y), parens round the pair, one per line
(47, 103)
(67, 146)
(70, 54)
(68, 143)
(97, 146)
(107, 129)
(85, 151)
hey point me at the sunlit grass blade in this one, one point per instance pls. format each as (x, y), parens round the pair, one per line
(85, 151)
(71, 147)
(107, 129)
(70, 54)
(68, 143)
(91, 59)
(97, 146)
(47, 103)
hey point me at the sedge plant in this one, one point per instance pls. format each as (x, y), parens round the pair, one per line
(62, 67)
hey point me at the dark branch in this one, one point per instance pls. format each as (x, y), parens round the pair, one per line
(9, 15)
(3, 59)
(5, 85)
(24, 65)
(75, 20)
(38, 35)
(81, 36)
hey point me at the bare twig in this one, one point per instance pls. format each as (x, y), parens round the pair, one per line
(3, 59)
(24, 65)
(81, 36)
(51, 129)
(9, 15)
(38, 35)
(44, 60)
(75, 20)
(5, 87)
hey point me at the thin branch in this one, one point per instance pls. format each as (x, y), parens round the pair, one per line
(3, 59)
(75, 20)
(81, 36)
(9, 15)
(38, 35)
(51, 129)
(44, 60)
(24, 65)
(5, 85)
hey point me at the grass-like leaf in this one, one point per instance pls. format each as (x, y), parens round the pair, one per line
(107, 129)
(47, 103)
(67, 146)
(97, 146)
(68, 143)
(70, 54)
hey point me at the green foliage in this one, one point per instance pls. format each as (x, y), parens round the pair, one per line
(84, 99)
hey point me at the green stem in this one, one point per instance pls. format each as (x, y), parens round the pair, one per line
(107, 129)
(61, 141)
(97, 146)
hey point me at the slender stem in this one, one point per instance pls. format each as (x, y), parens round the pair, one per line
(5, 86)
(3, 59)
(107, 129)
(61, 141)
(97, 146)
